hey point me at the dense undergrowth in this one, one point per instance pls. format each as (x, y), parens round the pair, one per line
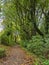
(7, 40)
(39, 47)
(2, 52)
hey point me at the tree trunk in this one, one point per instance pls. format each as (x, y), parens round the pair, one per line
(33, 19)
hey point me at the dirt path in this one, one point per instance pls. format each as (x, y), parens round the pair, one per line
(17, 56)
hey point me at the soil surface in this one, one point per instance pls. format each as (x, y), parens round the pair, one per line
(17, 56)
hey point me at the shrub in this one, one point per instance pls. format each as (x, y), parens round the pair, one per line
(4, 40)
(23, 43)
(2, 52)
(46, 62)
(38, 46)
(47, 42)
(42, 62)
(7, 40)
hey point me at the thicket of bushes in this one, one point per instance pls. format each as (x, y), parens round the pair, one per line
(2, 52)
(43, 62)
(38, 46)
(7, 40)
